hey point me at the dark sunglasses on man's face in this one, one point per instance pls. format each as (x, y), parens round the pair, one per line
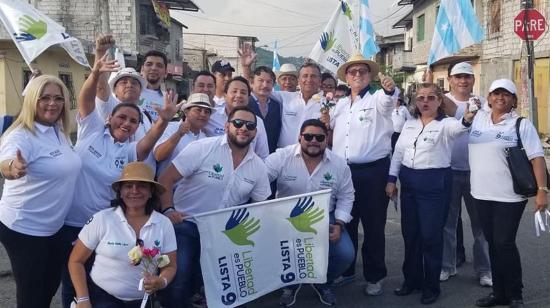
(318, 137)
(240, 123)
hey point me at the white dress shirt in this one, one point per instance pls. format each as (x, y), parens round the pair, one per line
(109, 234)
(210, 182)
(102, 162)
(425, 147)
(398, 117)
(287, 166)
(490, 176)
(362, 130)
(216, 127)
(294, 112)
(37, 203)
(219, 102)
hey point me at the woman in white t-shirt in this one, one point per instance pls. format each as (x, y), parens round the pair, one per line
(498, 206)
(40, 168)
(422, 160)
(105, 149)
(112, 233)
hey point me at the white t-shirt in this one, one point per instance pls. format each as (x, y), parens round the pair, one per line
(287, 166)
(459, 158)
(171, 129)
(426, 147)
(362, 130)
(150, 98)
(102, 162)
(398, 117)
(294, 112)
(37, 203)
(216, 127)
(490, 177)
(210, 182)
(111, 237)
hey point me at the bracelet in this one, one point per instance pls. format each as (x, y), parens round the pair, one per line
(167, 210)
(544, 188)
(165, 281)
(82, 299)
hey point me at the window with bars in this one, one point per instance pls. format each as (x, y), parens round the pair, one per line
(67, 79)
(420, 27)
(494, 20)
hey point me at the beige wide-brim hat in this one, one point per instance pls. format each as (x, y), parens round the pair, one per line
(138, 172)
(126, 72)
(287, 69)
(357, 59)
(197, 100)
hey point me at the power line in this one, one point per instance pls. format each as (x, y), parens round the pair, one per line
(301, 14)
(385, 18)
(254, 26)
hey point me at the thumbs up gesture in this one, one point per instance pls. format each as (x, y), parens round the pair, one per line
(18, 166)
(387, 82)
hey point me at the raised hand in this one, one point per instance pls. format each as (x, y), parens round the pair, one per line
(239, 227)
(170, 106)
(102, 65)
(305, 214)
(103, 43)
(184, 127)
(387, 82)
(247, 55)
(18, 167)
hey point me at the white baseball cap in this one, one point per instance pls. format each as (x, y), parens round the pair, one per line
(505, 84)
(462, 68)
(127, 72)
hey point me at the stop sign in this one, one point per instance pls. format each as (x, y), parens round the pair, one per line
(529, 24)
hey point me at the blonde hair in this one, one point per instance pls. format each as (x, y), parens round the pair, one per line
(26, 117)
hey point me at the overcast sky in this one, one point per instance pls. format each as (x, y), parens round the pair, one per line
(295, 24)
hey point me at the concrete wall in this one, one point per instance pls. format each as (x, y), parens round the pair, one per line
(421, 49)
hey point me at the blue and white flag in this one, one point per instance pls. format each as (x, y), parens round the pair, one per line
(276, 66)
(367, 37)
(456, 27)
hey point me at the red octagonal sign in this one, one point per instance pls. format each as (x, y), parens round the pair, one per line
(529, 24)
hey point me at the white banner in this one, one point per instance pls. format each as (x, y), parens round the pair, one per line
(338, 42)
(248, 251)
(33, 32)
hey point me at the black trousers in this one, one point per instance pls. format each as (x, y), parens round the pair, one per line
(500, 222)
(36, 264)
(370, 207)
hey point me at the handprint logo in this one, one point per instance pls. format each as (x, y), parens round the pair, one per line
(327, 176)
(239, 227)
(30, 29)
(305, 214)
(346, 10)
(218, 168)
(327, 41)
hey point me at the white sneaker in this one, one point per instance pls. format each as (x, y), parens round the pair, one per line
(486, 280)
(374, 289)
(445, 275)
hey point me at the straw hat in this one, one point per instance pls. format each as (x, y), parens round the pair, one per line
(357, 59)
(140, 172)
(197, 100)
(126, 72)
(287, 69)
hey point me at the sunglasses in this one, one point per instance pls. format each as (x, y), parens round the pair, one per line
(240, 123)
(430, 98)
(318, 137)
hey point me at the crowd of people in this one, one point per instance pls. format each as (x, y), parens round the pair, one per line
(143, 165)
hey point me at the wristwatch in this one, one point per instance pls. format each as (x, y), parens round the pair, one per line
(544, 188)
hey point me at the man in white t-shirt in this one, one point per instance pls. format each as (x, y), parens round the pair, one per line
(309, 166)
(461, 79)
(153, 70)
(211, 173)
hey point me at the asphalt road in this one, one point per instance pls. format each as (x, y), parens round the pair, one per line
(460, 291)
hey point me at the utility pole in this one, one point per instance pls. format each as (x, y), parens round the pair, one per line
(533, 106)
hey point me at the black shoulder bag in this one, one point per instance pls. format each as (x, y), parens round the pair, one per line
(523, 177)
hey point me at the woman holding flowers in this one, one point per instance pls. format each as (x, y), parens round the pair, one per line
(134, 245)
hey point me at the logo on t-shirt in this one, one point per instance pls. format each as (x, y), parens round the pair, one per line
(328, 180)
(55, 153)
(500, 135)
(217, 174)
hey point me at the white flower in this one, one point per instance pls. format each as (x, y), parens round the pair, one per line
(316, 97)
(163, 260)
(135, 254)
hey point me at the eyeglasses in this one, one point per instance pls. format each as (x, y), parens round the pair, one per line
(46, 99)
(318, 137)
(240, 123)
(430, 98)
(361, 72)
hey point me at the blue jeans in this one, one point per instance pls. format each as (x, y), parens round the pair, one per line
(425, 197)
(188, 275)
(341, 254)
